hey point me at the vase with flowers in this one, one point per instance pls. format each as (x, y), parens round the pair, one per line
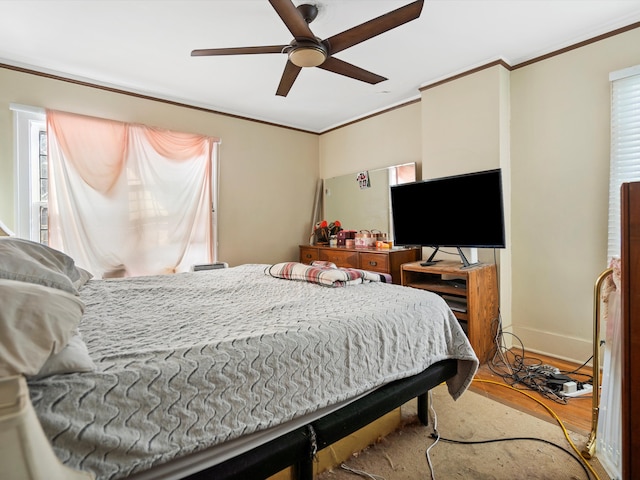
(323, 231)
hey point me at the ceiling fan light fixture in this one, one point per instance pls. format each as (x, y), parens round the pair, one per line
(307, 56)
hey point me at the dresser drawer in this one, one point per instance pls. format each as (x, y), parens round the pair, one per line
(375, 262)
(341, 258)
(308, 254)
(380, 261)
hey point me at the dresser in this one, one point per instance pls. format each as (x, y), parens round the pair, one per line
(372, 259)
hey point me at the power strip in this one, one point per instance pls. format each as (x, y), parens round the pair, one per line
(544, 369)
(586, 389)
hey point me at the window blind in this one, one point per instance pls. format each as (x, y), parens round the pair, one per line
(625, 145)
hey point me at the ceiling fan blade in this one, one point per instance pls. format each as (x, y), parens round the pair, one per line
(374, 27)
(289, 76)
(292, 18)
(237, 50)
(343, 68)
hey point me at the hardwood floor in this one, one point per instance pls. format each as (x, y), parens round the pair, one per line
(576, 414)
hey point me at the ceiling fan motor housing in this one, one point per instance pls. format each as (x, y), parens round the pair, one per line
(309, 12)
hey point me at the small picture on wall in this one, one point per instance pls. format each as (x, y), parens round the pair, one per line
(363, 179)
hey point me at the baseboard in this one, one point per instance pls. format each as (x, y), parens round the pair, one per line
(572, 349)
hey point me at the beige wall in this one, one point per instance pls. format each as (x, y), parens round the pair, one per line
(560, 174)
(388, 139)
(461, 128)
(267, 174)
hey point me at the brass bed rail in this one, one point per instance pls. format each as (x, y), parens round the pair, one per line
(590, 447)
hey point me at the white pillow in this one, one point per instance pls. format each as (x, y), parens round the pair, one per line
(72, 358)
(32, 262)
(35, 322)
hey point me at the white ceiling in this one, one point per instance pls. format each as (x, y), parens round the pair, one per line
(144, 46)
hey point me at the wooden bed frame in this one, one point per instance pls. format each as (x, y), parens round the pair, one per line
(297, 448)
(630, 260)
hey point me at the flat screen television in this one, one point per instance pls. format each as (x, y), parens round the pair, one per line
(458, 211)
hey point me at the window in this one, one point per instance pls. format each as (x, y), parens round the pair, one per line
(156, 208)
(625, 144)
(31, 170)
(128, 199)
(41, 196)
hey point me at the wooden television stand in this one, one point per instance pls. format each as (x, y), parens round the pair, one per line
(471, 292)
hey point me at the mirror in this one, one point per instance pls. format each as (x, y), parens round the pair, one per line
(361, 200)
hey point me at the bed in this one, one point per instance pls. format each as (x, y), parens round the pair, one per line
(233, 373)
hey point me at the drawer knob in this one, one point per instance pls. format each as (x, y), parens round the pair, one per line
(373, 264)
(308, 255)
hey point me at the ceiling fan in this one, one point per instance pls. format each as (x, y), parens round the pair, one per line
(306, 50)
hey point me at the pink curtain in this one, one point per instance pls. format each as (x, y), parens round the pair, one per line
(127, 199)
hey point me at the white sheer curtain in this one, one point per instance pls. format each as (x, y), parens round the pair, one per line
(127, 199)
(609, 433)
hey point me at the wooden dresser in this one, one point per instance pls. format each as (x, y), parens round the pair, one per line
(375, 260)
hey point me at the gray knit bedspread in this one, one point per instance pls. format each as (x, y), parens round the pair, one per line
(192, 360)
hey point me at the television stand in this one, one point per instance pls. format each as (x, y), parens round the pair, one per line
(465, 263)
(471, 293)
(430, 261)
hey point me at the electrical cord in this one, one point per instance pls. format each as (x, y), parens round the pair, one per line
(435, 435)
(529, 372)
(576, 371)
(361, 473)
(587, 468)
(554, 415)
(526, 372)
(496, 440)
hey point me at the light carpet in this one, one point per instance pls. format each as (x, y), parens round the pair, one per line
(473, 418)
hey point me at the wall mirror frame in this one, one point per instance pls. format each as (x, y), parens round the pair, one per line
(361, 200)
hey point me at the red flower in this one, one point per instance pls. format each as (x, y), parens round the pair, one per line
(322, 231)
